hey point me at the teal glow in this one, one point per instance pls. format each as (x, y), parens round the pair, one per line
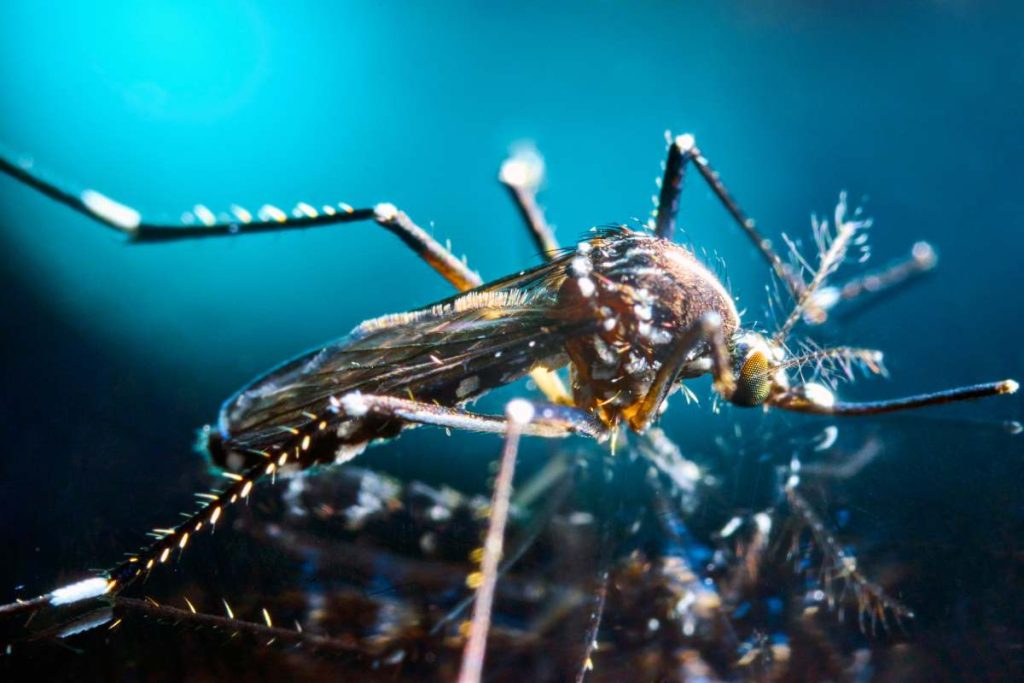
(165, 105)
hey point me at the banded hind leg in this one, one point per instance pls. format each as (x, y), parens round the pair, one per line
(550, 421)
(239, 221)
(169, 541)
(128, 221)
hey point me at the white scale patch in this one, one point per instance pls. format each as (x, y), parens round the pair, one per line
(87, 623)
(83, 590)
(347, 428)
(636, 365)
(354, 404)
(124, 217)
(581, 266)
(467, 386)
(604, 351)
(347, 452)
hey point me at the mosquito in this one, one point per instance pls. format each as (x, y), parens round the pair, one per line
(631, 314)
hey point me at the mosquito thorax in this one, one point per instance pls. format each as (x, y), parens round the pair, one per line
(643, 292)
(756, 367)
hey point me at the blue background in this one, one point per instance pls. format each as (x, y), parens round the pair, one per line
(113, 354)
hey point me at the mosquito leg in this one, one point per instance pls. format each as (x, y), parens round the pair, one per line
(553, 482)
(551, 385)
(707, 330)
(681, 556)
(426, 247)
(590, 637)
(265, 631)
(816, 398)
(518, 414)
(174, 540)
(682, 150)
(921, 260)
(671, 186)
(551, 421)
(168, 542)
(128, 221)
(522, 174)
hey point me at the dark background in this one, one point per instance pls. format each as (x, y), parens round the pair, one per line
(112, 355)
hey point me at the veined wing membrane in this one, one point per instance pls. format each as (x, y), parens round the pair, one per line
(450, 352)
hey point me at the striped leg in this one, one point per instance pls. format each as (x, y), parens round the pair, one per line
(817, 399)
(518, 414)
(706, 330)
(240, 221)
(169, 541)
(522, 174)
(683, 150)
(550, 421)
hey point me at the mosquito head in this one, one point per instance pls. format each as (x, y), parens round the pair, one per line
(758, 368)
(761, 370)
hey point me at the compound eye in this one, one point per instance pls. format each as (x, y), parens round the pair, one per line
(754, 379)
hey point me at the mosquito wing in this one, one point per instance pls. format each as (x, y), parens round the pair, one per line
(450, 353)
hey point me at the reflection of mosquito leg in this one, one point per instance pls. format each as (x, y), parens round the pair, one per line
(846, 465)
(707, 330)
(594, 625)
(266, 632)
(684, 149)
(549, 420)
(522, 174)
(518, 414)
(128, 221)
(680, 562)
(921, 260)
(839, 573)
